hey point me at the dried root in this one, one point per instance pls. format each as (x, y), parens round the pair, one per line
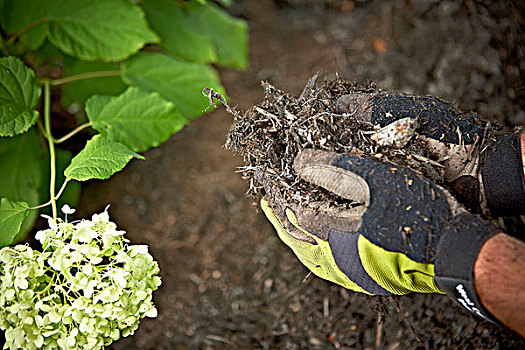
(272, 133)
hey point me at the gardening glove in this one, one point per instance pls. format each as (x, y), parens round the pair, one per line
(400, 233)
(484, 175)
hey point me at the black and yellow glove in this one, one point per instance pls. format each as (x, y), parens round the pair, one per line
(484, 173)
(386, 242)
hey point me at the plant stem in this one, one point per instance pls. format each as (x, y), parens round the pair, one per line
(51, 141)
(104, 73)
(56, 197)
(41, 128)
(61, 189)
(73, 132)
(15, 36)
(41, 205)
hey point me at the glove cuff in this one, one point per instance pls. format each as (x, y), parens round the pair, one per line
(503, 178)
(456, 255)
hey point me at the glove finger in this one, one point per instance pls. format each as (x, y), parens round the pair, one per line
(398, 199)
(437, 119)
(396, 130)
(358, 104)
(282, 225)
(462, 165)
(317, 257)
(347, 258)
(317, 167)
(459, 160)
(312, 221)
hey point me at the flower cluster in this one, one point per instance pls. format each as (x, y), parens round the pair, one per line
(86, 288)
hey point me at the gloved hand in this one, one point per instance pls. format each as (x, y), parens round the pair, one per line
(400, 234)
(482, 174)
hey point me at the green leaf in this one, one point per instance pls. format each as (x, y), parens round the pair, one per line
(99, 29)
(21, 164)
(78, 92)
(199, 32)
(91, 30)
(225, 3)
(229, 34)
(100, 159)
(176, 30)
(12, 214)
(19, 93)
(18, 16)
(137, 119)
(180, 82)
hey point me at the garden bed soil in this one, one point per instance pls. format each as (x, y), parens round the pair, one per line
(228, 281)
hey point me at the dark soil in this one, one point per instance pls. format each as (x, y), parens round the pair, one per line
(228, 281)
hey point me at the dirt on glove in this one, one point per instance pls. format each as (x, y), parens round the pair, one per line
(270, 135)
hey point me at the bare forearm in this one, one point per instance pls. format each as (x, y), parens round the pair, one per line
(499, 279)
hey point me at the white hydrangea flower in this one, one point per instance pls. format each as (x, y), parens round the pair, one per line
(66, 209)
(50, 221)
(84, 232)
(86, 288)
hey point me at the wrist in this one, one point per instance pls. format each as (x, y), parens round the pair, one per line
(499, 280)
(456, 255)
(502, 175)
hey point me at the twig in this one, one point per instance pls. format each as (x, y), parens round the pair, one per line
(308, 88)
(266, 113)
(379, 331)
(307, 277)
(326, 307)
(217, 338)
(425, 159)
(300, 122)
(485, 132)
(399, 309)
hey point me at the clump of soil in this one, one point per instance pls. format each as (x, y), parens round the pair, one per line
(271, 134)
